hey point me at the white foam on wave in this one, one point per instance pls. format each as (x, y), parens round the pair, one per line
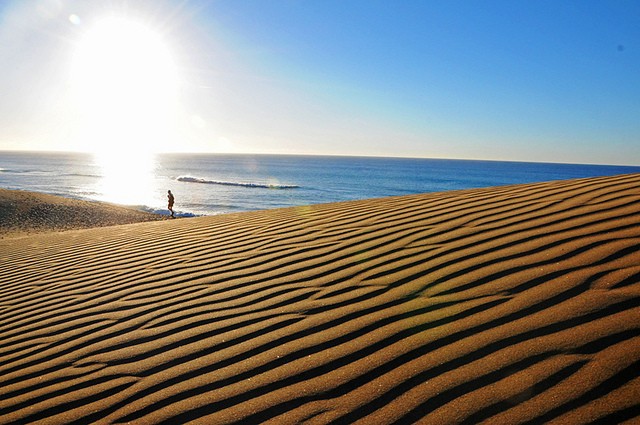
(190, 179)
(163, 211)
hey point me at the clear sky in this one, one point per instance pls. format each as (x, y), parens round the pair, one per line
(554, 81)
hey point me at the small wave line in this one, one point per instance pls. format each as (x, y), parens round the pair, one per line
(189, 179)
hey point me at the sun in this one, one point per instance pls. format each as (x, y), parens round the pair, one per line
(125, 87)
(125, 83)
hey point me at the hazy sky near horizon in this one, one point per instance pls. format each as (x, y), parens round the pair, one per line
(555, 81)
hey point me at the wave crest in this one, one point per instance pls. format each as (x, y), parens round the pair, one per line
(190, 179)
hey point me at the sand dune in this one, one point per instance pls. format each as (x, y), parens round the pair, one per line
(24, 212)
(517, 304)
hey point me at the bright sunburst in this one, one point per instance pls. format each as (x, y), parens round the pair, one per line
(125, 85)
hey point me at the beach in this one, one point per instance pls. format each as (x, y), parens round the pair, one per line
(508, 304)
(23, 212)
(210, 184)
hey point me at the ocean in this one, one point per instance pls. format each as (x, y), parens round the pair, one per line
(207, 184)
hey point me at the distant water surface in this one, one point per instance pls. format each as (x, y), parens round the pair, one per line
(205, 184)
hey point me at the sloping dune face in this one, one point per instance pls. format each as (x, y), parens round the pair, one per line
(516, 304)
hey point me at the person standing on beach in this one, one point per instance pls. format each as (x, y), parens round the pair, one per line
(171, 199)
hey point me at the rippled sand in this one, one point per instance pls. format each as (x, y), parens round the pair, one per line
(515, 304)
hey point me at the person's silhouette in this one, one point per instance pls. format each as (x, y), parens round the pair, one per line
(171, 200)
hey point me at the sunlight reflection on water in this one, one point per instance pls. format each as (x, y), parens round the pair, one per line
(127, 178)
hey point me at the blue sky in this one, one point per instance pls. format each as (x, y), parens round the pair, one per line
(506, 80)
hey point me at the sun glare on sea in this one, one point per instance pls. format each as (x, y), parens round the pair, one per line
(125, 85)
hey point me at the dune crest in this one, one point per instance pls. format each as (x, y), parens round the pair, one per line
(514, 304)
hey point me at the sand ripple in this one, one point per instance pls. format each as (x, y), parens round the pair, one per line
(517, 304)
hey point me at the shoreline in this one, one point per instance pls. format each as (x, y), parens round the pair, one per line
(24, 212)
(211, 184)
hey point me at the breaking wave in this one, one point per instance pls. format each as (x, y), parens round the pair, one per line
(190, 179)
(164, 211)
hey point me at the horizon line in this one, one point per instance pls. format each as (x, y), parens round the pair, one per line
(88, 152)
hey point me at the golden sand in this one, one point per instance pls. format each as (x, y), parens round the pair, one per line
(515, 304)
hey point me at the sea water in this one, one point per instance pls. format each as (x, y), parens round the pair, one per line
(206, 184)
